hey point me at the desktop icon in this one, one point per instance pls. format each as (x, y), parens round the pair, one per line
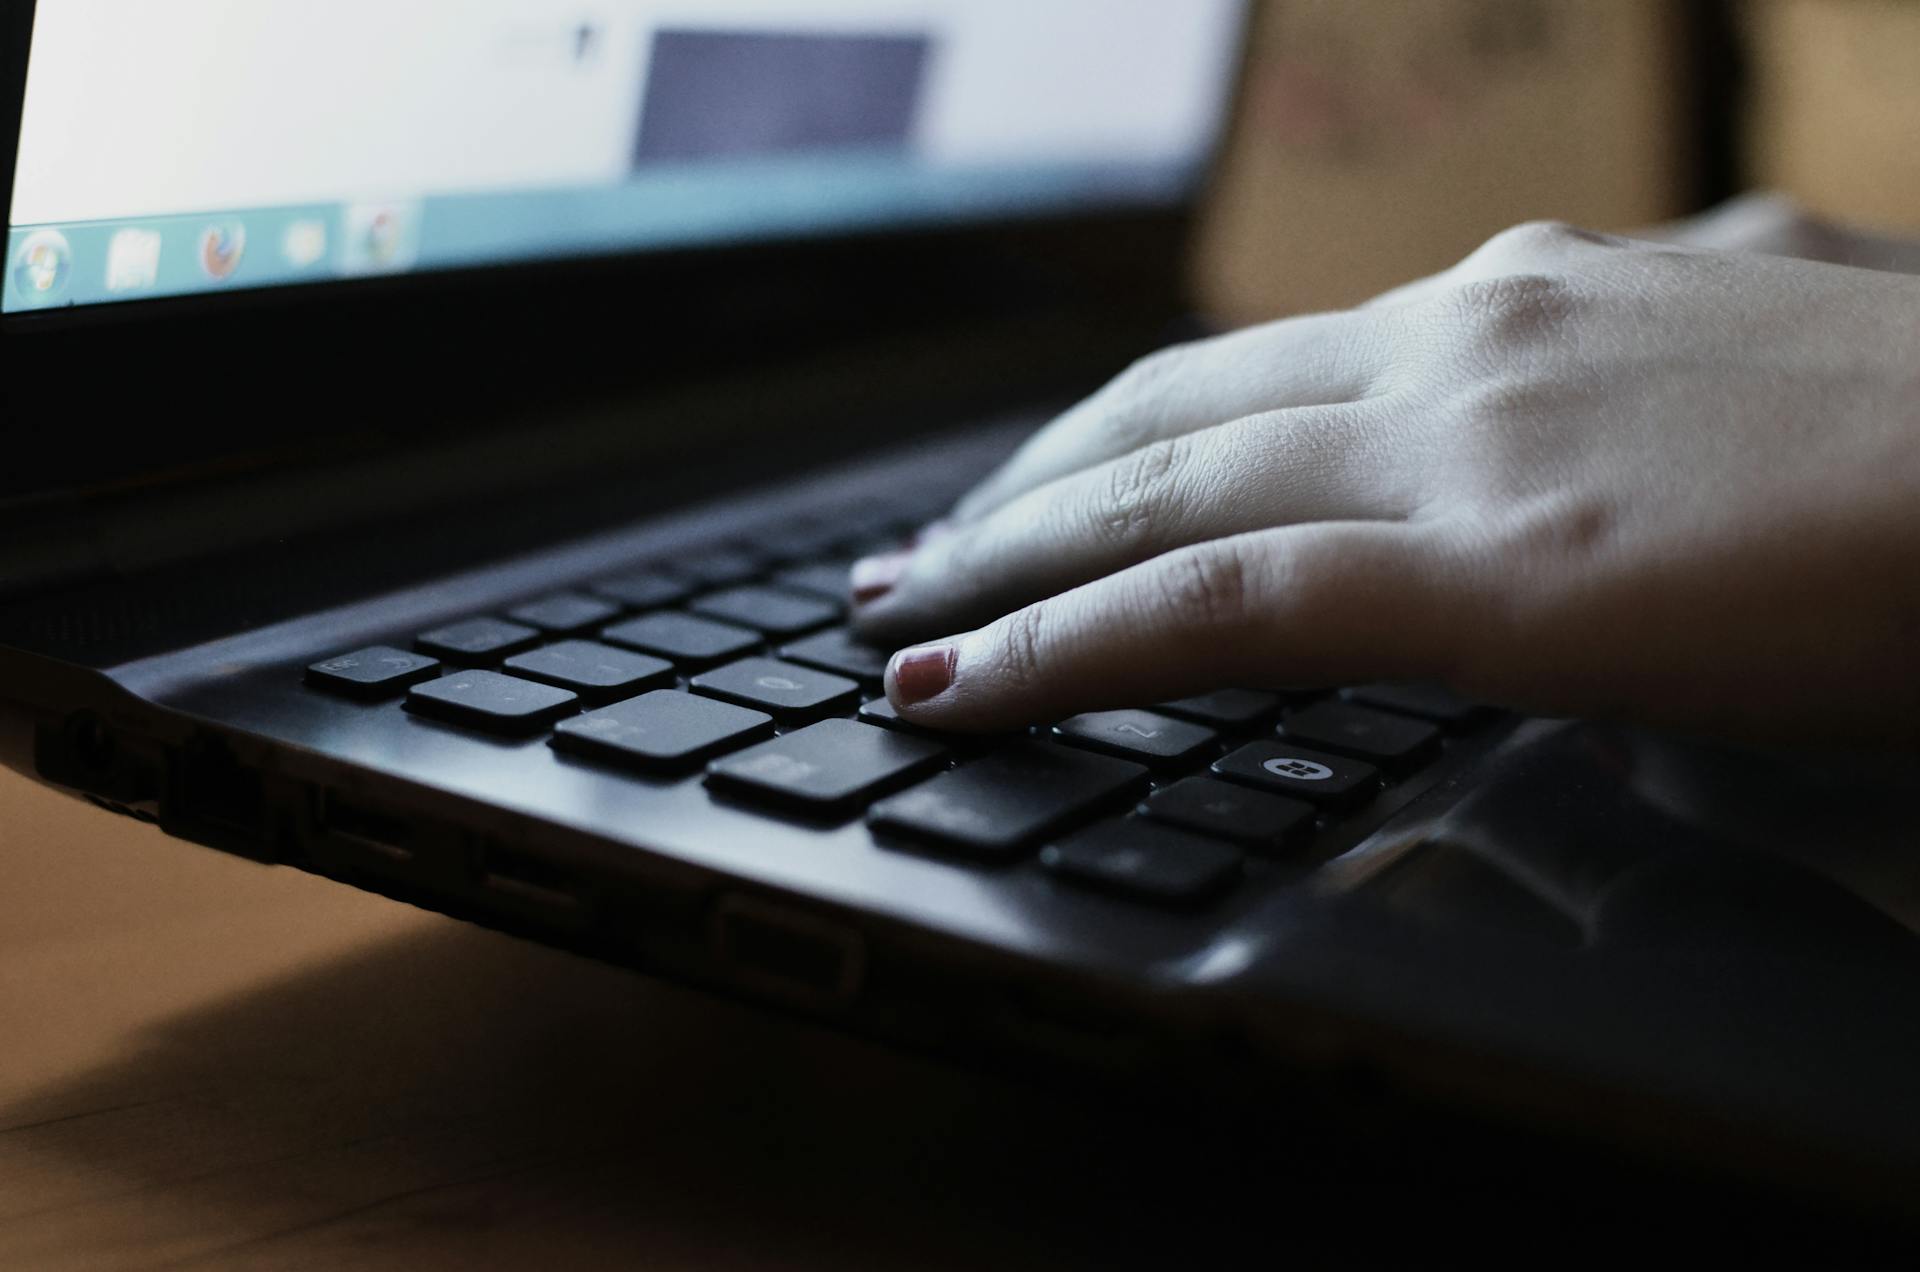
(221, 246)
(381, 238)
(42, 265)
(304, 243)
(133, 260)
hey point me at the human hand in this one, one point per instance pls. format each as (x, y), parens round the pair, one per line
(1574, 474)
(1777, 225)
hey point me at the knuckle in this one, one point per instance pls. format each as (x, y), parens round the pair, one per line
(1538, 240)
(1138, 398)
(1139, 495)
(1516, 309)
(1022, 645)
(1206, 587)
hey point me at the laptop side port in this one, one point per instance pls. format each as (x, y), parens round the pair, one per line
(524, 878)
(363, 826)
(787, 954)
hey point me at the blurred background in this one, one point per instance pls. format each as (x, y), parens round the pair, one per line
(1380, 141)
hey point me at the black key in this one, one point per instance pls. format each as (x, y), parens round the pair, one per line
(716, 567)
(378, 671)
(477, 640)
(644, 589)
(787, 690)
(664, 729)
(491, 701)
(1221, 810)
(1234, 709)
(690, 642)
(1007, 801)
(1146, 862)
(598, 673)
(821, 578)
(1137, 735)
(1287, 768)
(1390, 740)
(882, 712)
(564, 613)
(767, 609)
(841, 652)
(1429, 702)
(830, 767)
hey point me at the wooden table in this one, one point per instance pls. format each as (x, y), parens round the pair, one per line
(213, 1063)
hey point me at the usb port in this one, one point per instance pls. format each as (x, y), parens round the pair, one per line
(787, 953)
(366, 827)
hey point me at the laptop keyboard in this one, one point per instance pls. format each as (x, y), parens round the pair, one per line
(734, 664)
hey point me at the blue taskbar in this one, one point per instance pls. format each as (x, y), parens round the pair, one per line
(698, 204)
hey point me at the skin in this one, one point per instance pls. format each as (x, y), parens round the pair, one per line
(1576, 474)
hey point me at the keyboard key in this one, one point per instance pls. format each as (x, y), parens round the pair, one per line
(491, 701)
(1006, 802)
(1393, 741)
(379, 671)
(721, 566)
(1234, 709)
(826, 768)
(1221, 810)
(767, 609)
(786, 690)
(1146, 862)
(644, 589)
(662, 730)
(821, 578)
(598, 673)
(841, 652)
(688, 641)
(1137, 735)
(801, 539)
(1429, 702)
(1287, 768)
(882, 713)
(477, 640)
(564, 613)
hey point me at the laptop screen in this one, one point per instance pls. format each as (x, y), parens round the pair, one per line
(177, 147)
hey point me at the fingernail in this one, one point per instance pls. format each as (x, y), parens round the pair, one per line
(873, 577)
(918, 674)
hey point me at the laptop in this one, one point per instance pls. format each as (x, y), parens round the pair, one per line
(436, 436)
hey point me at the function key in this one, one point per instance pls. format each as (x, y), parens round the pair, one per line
(1391, 740)
(688, 641)
(378, 671)
(1001, 804)
(662, 730)
(1233, 709)
(786, 690)
(491, 701)
(598, 673)
(841, 652)
(830, 767)
(721, 566)
(1429, 702)
(829, 579)
(1286, 768)
(767, 609)
(1137, 735)
(644, 589)
(477, 640)
(1221, 810)
(1146, 862)
(564, 613)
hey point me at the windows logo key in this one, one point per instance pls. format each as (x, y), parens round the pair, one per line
(42, 267)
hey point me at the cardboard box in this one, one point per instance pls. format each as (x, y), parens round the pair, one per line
(1835, 106)
(1381, 140)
